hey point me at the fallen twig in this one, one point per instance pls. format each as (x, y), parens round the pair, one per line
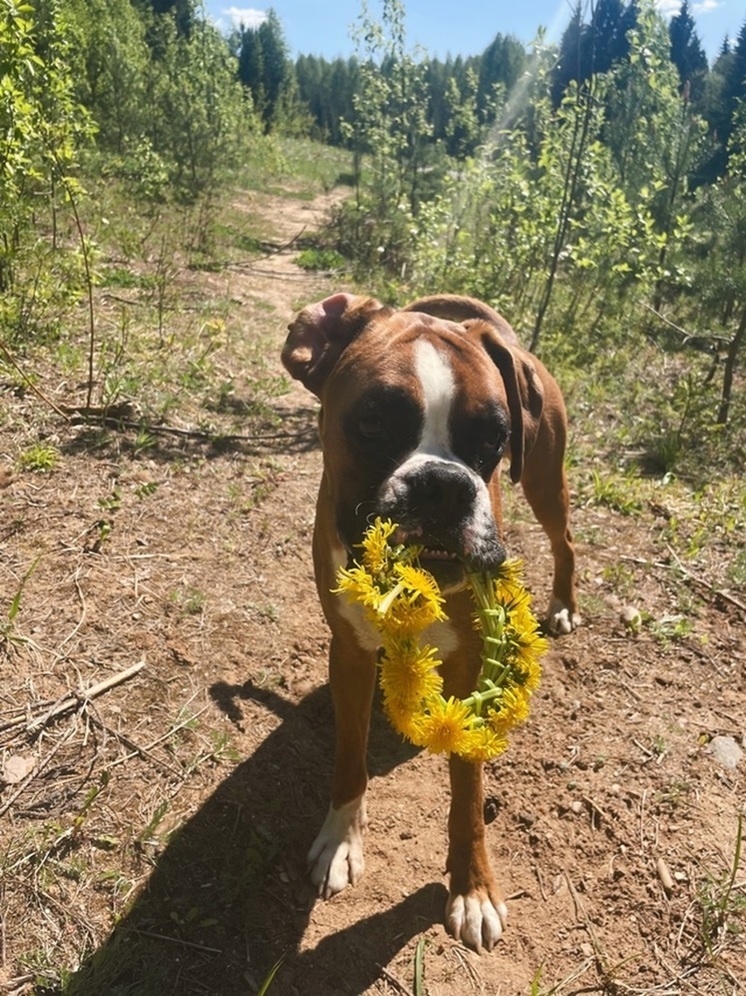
(28, 381)
(37, 769)
(389, 977)
(706, 584)
(135, 749)
(175, 940)
(718, 592)
(76, 698)
(80, 416)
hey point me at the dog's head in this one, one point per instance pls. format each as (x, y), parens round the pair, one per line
(418, 410)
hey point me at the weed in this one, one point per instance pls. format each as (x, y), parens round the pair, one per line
(147, 834)
(419, 967)
(269, 612)
(321, 259)
(40, 458)
(48, 978)
(144, 441)
(618, 495)
(621, 577)
(190, 601)
(146, 490)
(222, 747)
(113, 502)
(660, 747)
(737, 569)
(102, 531)
(117, 276)
(675, 795)
(723, 903)
(264, 988)
(670, 628)
(7, 626)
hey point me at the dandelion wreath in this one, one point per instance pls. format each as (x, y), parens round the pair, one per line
(401, 600)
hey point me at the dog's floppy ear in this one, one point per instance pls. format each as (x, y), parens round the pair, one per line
(321, 332)
(523, 388)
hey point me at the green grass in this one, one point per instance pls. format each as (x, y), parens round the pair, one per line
(40, 458)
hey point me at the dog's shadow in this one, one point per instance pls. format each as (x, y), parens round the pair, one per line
(228, 898)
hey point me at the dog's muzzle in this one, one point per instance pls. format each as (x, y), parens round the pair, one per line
(444, 507)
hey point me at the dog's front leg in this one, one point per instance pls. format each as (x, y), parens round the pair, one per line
(336, 856)
(475, 912)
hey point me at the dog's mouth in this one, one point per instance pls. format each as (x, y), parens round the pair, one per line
(447, 569)
(447, 565)
(451, 561)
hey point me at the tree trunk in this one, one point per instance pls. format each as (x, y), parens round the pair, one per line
(730, 369)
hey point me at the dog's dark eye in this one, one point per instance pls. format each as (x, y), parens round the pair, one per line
(483, 442)
(488, 457)
(495, 445)
(383, 425)
(371, 427)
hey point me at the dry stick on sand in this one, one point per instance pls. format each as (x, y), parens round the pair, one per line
(100, 418)
(56, 706)
(77, 699)
(40, 767)
(92, 692)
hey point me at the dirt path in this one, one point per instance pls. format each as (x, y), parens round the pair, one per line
(163, 831)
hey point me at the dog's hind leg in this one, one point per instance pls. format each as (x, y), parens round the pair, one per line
(544, 483)
(336, 856)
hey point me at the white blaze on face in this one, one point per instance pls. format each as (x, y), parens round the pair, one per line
(438, 383)
(438, 388)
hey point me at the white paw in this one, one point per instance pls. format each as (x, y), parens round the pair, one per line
(560, 619)
(476, 920)
(336, 856)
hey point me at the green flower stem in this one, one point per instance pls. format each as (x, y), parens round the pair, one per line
(386, 603)
(477, 699)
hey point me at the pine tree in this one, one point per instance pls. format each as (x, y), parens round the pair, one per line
(501, 64)
(263, 67)
(568, 65)
(184, 12)
(586, 49)
(736, 78)
(276, 68)
(687, 53)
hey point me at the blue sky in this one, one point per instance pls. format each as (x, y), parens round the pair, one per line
(463, 27)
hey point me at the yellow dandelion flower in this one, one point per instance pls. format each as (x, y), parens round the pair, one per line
(409, 676)
(354, 582)
(508, 580)
(406, 721)
(483, 744)
(377, 552)
(512, 711)
(445, 727)
(530, 648)
(420, 602)
(519, 614)
(532, 674)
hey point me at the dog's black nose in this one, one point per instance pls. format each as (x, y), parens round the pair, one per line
(441, 492)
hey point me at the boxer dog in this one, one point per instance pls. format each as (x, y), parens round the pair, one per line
(419, 407)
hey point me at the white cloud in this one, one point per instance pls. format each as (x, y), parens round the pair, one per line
(668, 8)
(249, 17)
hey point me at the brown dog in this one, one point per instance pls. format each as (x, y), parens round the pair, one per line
(418, 409)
